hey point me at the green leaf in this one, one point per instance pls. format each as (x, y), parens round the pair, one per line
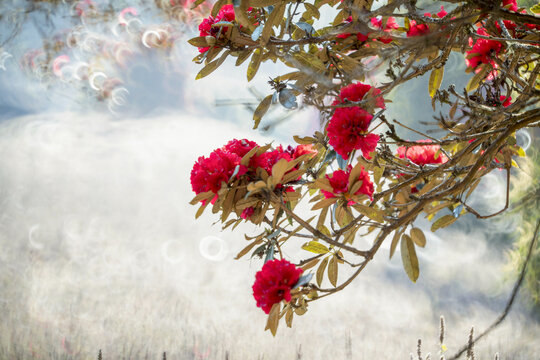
(435, 80)
(254, 64)
(409, 258)
(442, 222)
(261, 110)
(315, 247)
(210, 67)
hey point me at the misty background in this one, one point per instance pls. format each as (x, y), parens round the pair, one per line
(100, 248)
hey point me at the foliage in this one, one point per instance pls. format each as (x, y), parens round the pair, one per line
(375, 190)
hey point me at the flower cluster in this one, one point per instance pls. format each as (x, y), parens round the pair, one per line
(348, 129)
(224, 164)
(482, 51)
(207, 28)
(340, 185)
(423, 154)
(422, 29)
(377, 24)
(274, 282)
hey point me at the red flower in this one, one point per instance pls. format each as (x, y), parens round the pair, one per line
(268, 159)
(510, 5)
(240, 147)
(357, 92)
(274, 283)
(205, 28)
(340, 184)
(417, 29)
(303, 150)
(391, 24)
(423, 29)
(482, 51)
(506, 100)
(422, 154)
(377, 23)
(209, 173)
(347, 131)
(246, 214)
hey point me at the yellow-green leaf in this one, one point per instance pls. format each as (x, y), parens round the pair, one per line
(243, 56)
(261, 110)
(333, 271)
(312, 9)
(210, 67)
(273, 20)
(418, 237)
(395, 240)
(254, 64)
(201, 209)
(278, 170)
(310, 264)
(217, 6)
(535, 9)
(320, 271)
(199, 41)
(202, 196)
(435, 80)
(315, 247)
(289, 317)
(443, 221)
(475, 81)
(409, 258)
(304, 140)
(263, 3)
(273, 318)
(324, 203)
(245, 250)
(373, 214)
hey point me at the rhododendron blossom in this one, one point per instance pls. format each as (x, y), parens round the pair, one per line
(340, 185)
(246, 214)
(423, 154)
(240, 147)
(510, 5)
(357, 92)
(209, 173)
(268, 159)
(348, 131)
(377, 24)
(483, 50)
(274, 282)
(206, 29)
(422, 29)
